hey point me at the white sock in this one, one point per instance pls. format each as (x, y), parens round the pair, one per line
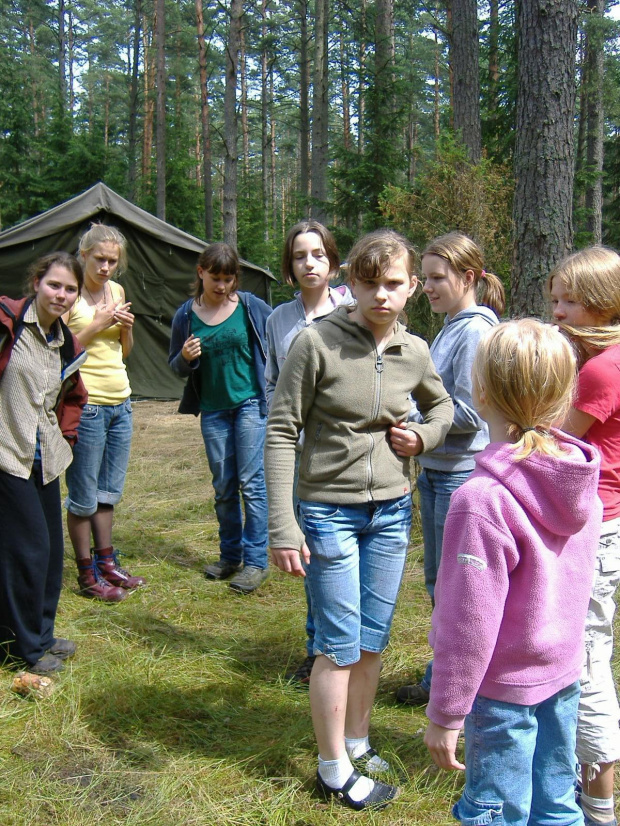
(598, 809)
(357, 746)
(335, 774)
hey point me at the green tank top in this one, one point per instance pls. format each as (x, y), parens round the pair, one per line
(227, 372)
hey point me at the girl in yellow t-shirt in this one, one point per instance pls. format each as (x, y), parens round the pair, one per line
(103, 323)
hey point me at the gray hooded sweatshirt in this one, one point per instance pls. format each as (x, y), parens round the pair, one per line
(453, 354)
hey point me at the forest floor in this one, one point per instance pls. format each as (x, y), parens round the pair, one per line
(175, 711)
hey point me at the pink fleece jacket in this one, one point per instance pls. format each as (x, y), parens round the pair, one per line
(517, 567)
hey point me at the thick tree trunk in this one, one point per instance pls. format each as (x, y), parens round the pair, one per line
(230, 125)
(304, 111)
(205, 123)
(160, 139)
(320, 112)
(596, 121)
(133, 103)
(544, 150)
(464, 63)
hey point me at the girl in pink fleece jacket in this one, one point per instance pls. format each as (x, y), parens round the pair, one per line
(512, 593)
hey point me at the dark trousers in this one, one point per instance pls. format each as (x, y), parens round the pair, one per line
(31, 559)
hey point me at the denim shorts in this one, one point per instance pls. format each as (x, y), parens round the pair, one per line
(100, 458)
(520, 763)
(598, 735)
(357, 557)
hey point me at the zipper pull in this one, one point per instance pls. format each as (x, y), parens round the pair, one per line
(379, 363)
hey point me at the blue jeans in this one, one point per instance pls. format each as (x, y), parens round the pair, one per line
(435, 487)
(234, 441)
(357, 557)
(100, 458)
(521, 763)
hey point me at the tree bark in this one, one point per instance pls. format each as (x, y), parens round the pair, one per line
(205, 123)
(230, 125)
(160, 137)
(464, 55)
(133, 103)
(304, 112)
(245, 128)
(595, 41)
(544, 150)
(264, 120)
(320, 113)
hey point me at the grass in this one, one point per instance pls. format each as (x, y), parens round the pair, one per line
(175, 712)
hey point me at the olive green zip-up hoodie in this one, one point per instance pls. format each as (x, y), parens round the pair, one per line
(336, 386)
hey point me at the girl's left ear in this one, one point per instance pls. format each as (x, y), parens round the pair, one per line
(470, 277)
(413, 285)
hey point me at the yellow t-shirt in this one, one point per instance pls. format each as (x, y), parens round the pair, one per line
(104, 372)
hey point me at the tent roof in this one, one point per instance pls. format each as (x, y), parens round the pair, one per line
(95, 200)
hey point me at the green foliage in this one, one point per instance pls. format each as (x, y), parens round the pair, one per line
(453, 194)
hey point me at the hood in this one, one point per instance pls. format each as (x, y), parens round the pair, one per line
(477, 310)
(556, 493)
(340, 317)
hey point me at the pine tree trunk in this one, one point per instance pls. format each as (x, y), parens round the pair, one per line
(205, 123)
(160, 139)
(264, 119)
(544, 150)
(596, 121)
(320, 112)
(464, 64)
(304, 111)
(230, 125)
(245, 129)
(133, 104)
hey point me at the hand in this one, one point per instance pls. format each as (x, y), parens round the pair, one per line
(441, 742)
(405, 442)
(105, 316)
(289, 559)
(122, 315)
(191, 349)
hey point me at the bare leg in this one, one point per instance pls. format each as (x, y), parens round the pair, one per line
(329, 684)
(101, 523)
(363, 684)
(602, 785)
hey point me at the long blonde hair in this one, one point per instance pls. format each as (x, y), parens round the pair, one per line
(462, 253)
(526, 371)
(591, 277)
(104, 234)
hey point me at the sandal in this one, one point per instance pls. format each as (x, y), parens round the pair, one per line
(379, 797)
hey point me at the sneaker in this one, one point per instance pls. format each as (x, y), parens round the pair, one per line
(62, 649)
(413, 695)
(301, 674)
(221, 569)
(48, 664)
(249, 579)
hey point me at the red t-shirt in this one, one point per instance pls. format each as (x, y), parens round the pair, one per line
(598, 395)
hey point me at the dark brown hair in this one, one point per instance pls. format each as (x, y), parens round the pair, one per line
(372, 255)
(329, 245)
(41, 266)
(219, 259)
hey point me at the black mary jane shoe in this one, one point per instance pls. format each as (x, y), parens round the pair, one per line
(379, 797)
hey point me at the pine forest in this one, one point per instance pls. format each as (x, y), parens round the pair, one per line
(233, 120)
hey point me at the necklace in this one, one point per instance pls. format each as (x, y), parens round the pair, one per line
(90, 295)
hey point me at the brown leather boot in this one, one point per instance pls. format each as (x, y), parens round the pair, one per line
(109, 569)
(92, 584)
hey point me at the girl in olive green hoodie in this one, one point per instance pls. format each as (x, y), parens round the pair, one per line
(347, 382)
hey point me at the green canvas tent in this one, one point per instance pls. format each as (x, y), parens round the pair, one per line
(162, 265)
